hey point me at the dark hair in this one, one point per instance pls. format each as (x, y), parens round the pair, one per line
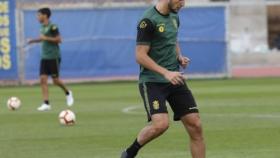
(45, 11)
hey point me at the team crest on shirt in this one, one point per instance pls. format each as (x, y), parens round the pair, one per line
(54, 27)
(156, 105)
(175, 23)
(161, 27)
(143, 25)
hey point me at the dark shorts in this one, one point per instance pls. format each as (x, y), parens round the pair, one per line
(179, 97)
(50, 67)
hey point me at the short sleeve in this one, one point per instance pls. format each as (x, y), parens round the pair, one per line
(54, 30)
(145, 32)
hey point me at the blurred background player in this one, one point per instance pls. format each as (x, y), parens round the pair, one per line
(50, 58)
(159, 55)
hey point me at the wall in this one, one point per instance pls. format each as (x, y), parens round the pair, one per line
(101, 42)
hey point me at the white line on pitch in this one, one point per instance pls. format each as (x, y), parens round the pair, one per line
(133, 110)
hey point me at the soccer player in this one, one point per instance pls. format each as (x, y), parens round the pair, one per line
(50, 58)
(160, 80)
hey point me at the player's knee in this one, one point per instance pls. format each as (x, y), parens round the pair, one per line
(43, 80)
(196, 132)
(197, 126)
(160, 127)
(56, 81)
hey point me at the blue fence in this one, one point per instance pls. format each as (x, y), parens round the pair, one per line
(203, 39)
(101, 42)
(8, 57)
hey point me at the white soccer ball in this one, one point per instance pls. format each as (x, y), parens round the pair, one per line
(67, 117)
(13, 103)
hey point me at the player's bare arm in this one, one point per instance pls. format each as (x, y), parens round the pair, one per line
(143, 59)
(56, 39)
(183, 60)
(31, 41)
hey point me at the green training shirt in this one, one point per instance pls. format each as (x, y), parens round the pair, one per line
(50, 50)
(160, 33)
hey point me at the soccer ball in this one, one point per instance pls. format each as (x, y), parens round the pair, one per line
(13, 103)
(67, 117)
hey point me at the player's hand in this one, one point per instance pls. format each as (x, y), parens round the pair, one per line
(30, 41)
(184, 61)
(176, 78)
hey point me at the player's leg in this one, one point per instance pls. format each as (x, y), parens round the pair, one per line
(158, 126)
(44, 88)
(153, 95)
(154, 101)
(193, 125)
(57, 81)
(68, 93)
(44, 85)
(60, 84)
(185, 109)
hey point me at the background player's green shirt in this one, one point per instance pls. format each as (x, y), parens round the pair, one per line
(50, 50)
(160, 33)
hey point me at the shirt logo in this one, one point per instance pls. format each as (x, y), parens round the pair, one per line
(156, 104)
(161, 27)
(54, 28)
(143, 25)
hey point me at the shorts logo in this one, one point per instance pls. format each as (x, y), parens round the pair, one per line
(143, 25)
(161, 28)
(192, 108)
(156, 105)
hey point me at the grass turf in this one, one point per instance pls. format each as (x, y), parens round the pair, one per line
(241, 119)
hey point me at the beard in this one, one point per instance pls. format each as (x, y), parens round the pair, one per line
(172, 8)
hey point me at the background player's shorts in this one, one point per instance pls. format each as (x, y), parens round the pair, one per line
(50, 67)
(179, 97)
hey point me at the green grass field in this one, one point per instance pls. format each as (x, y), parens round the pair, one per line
(241, 119)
